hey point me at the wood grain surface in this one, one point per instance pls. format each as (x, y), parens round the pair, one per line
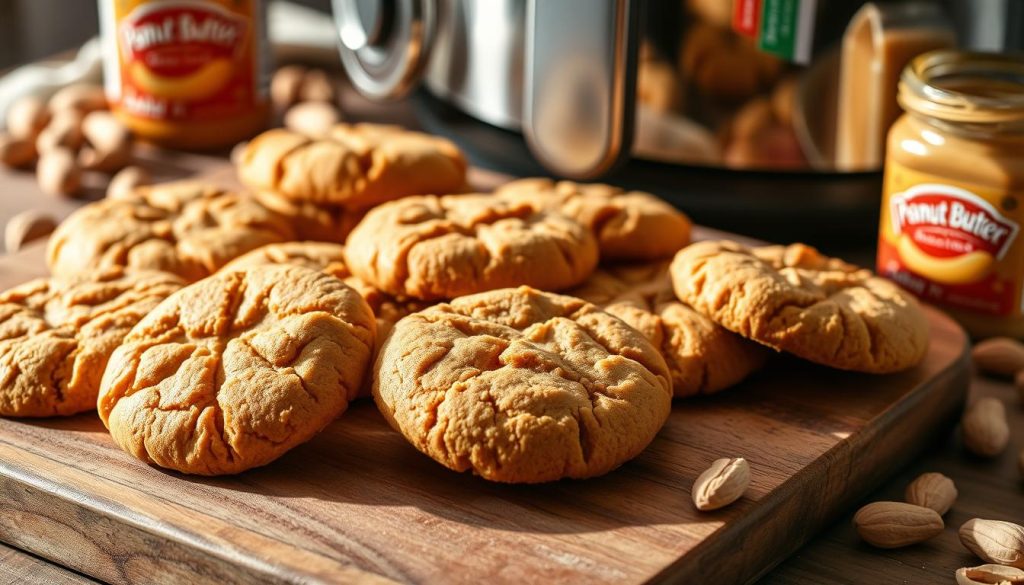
(18, 567)
(359, 504)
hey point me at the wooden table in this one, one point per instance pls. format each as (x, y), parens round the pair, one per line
(987, 488)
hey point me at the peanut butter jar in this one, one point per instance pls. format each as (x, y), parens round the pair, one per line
(187, 73)
(954, 182)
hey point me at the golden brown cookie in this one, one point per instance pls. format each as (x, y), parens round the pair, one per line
(432, 248)
(233, 371)
(522, 386)
(357, 165)
(313, 222)
(322, 256)
(702, 356)
(185, 228)
(56, 335)
(794, 299)
(628, 225)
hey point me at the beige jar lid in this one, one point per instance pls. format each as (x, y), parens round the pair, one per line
(973, 89)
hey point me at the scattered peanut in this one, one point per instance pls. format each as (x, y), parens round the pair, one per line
(25, 227)
(109, 142)
(237, 152)
(1002, 356)
(82, 97)
(722, 484)
(985, 430)
(16, 152)
(285, 86)
(27, 117)
(58, 172)
(896, 524)
(317, 86)
(932, 490)
(989, 575)
(994, 541)
(312, 118)
(64, 131)
(126, 180)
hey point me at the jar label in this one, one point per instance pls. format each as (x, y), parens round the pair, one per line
(186, 60)
(950, 244)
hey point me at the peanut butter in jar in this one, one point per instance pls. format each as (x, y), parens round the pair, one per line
(187, 73)
(953, 195)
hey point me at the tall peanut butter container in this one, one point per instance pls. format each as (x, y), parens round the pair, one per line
(187, 73)
(953, 201)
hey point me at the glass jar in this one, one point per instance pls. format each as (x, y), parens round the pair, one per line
(953, 188)
(187, 73)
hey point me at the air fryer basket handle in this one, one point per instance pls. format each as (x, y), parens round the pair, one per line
(580, 81)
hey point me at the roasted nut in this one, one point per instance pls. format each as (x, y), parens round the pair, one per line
(63, 131)
(27, 117)
(25, 227)
(721, 484)
(994, 541)
(312, 118)
(109, 142)
(932, 490)
(1002, 356)
(989, 575)
(896, 524)
(237, 152)
(285, 86)
(82, 97)
(126, 180)
(16, 152)
(58, 172)
(985, 430)
(317, 86)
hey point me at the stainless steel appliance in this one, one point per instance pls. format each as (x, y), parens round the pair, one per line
(739, 111)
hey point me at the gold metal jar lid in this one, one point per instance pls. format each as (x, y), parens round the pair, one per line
(985, 90)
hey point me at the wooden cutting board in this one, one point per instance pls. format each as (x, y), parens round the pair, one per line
(358, 504)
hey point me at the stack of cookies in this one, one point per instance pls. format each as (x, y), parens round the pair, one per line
(535, 333)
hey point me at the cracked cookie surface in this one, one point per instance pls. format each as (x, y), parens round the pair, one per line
(329, 258)
(313, 222)
(522, 386)
(432, 248)
(185, 228)
(56, 335)
(796, 300)
(628, 225)
(702, 356)
(322, 256)
(231, 372)
(357, 165)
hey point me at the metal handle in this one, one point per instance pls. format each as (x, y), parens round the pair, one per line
(385, 44)
(580, 83)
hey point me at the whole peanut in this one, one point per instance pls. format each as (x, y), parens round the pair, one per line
(63, 131)
(16, 152)
(126, 180)
(25, 227)
(58, 172)
(82, 97)
(311, 118)
(27, 117)
(109, 143)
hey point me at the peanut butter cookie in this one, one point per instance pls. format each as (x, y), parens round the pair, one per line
(233, 371)
(354, 165)
(322, 256)
(56, 335)
(185, 228)
(522, 386)
(702, 356)
(628, 225)
(796, 300)
(313, 222)
(442, 247)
